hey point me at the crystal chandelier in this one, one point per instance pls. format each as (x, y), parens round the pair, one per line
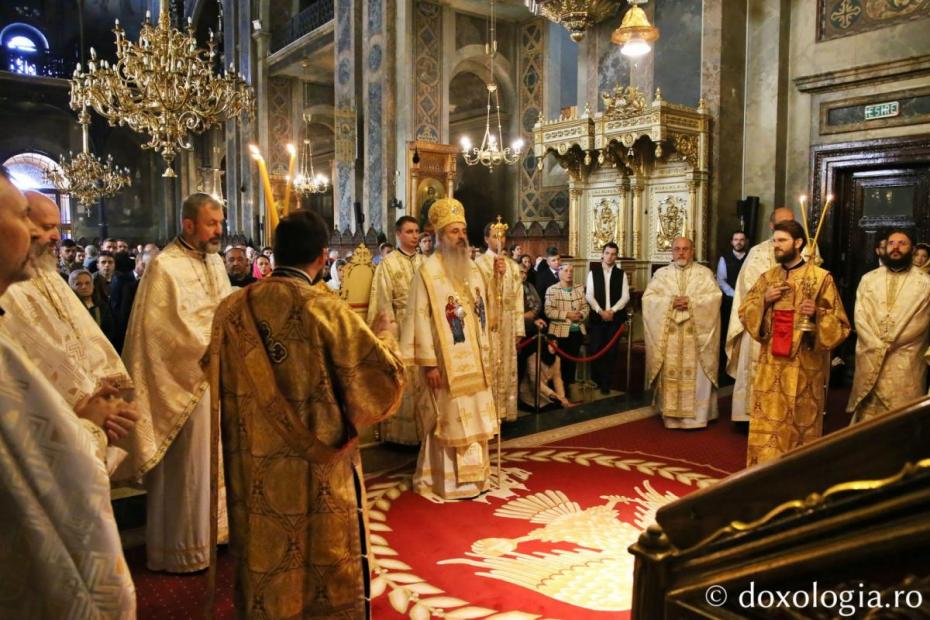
(635, 32)
(576, 16)
(163, 86)
(85, 176)
(307, 181)
(490, 153)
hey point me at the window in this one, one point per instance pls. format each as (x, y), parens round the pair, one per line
(27, 171)
(24, 49)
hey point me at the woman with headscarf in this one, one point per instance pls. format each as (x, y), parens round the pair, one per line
(335, 274)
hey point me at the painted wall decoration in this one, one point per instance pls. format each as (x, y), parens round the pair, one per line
(840, 18)
(279, 123)
(427, 24)
(530, 96)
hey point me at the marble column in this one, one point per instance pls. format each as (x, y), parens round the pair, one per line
(638, 185)
(575, 194)
(345, 117)
(623, 212)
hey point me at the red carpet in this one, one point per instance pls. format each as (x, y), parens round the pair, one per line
(554, 547)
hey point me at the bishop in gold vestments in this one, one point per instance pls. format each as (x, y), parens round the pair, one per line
(789, 387)
(447, 335)
(892, 333)
(683, 342)
(390, 290)
(300, 375)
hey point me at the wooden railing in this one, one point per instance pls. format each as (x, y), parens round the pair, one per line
(840, 524)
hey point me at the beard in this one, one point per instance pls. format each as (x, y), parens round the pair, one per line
(457, 259)
(43, 260)
(903, 260)
(210, 247)
(786, 257)
(681, 262)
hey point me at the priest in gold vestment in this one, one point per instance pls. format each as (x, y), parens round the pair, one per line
(446, 334)
(60, 551)
(681, 318)
(390, 290)
(299, 374)
(892, 319)
(742, 350)
(46, 318)
(168, 335)
(505, 311)
(790, 382)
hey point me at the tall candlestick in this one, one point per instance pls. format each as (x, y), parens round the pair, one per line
(290, 176)
(823, 217)
(807, 231)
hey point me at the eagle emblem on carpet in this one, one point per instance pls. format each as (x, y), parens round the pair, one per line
(586, 575)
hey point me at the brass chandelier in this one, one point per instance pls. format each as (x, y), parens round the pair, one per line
(576, 16)
(85, 176)
(163, 86)
(635, 32)
(307, 181)
(490, 154)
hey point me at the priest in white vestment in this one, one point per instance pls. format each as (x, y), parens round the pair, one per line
(505, 309)
(681, 317)
(892, 319)
(741, 350)
(60, 552)
(390, 290)
(46, 318)
(446, 334)
(168, 335)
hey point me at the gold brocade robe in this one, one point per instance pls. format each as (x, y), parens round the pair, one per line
(506, 328)
(300, 374)
(390, 289)
(47, 319)
(892, 323)
(60, 551)
(682, 346)
(168, 334)
(788, 393)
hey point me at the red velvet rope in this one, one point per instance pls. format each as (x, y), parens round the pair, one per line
(525, 342)
(597, 355)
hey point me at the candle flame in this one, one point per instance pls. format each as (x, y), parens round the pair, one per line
(291, 149)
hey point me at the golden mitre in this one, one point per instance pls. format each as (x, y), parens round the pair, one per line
(446, 211)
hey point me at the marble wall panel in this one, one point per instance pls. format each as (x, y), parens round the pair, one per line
(531, 102)
(677, 54)
(427, 24)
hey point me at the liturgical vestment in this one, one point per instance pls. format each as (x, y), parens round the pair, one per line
(683, 346)
(892, 319)
(168, 335)
(390, 290)
(446, 327)
(505, 312)
(61, 551)
(790, 381)
(300, 375)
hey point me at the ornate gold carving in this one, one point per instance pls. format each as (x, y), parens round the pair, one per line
(623, 102)
(670, 223)
(345, 135)
(687, 148)
(605, 223)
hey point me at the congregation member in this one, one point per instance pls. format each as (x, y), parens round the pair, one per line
(165, 344)
(79, 256)
(880, 249)
(90, 257)
(547, 271)
(742, 351)
(446, 335)
(892, 320)
(237, 267)
(505, 308)
(516, 251)
(681, 319)
(67, 257)
(267, 252)
(335, 275)
(63, 557)
(262, 267)
(607, 291)
(83, 284)
(106, 268)
(425, 244)
(790, 380)
(551, 387)
(728, 268)
(566, 310)
(922, 257)
(123, 295)
(122, 246)
(278, 358)
(526, 264)
(390, 293)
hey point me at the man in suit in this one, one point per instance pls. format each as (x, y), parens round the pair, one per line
(123, 294)
(547, 272)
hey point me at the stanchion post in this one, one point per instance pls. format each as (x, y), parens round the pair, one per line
(539, 337)
(629, 351)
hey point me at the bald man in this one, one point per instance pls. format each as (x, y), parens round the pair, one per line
(47, 319)
(741, 350)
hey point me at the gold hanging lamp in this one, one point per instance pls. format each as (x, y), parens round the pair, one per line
(635, 32)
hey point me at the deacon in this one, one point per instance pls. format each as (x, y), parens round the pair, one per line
(790, 381)
(299, 374)
(48, 320)
(169, 330)
(681, 317)
(892, 326)
(446, 333)
(390, 289)
(505, 309)
(61, 551)
(742, 351)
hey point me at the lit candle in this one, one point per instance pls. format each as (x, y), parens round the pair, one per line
(807, 233)
(266, 184)
(290, 175)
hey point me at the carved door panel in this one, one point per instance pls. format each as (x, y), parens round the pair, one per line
(871, 203)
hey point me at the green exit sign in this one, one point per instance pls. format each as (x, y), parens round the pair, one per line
(881, 110)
